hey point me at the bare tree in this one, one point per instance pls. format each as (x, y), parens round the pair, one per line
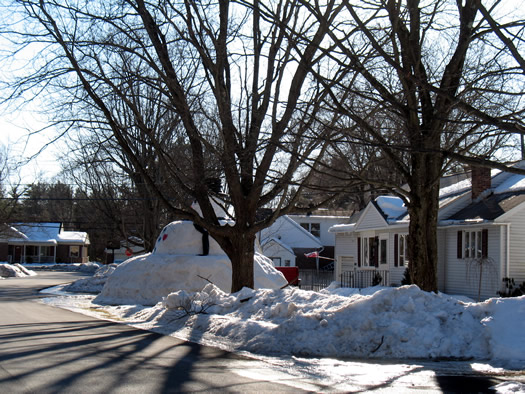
(236, 75)
(424, 85)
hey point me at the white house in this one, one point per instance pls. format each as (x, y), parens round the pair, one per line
(285, 242)
(481, 235)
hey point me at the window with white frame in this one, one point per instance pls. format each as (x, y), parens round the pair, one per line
(74, 251)
(312, 228)
(472, 244)
(369, 250)
(402, 250)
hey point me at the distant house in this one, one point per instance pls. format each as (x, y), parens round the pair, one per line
(123, 250)
(481, 235)
(292, 237)
(42, 243)
(318, 223)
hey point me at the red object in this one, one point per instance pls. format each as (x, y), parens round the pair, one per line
(312, 254)
(164, 237)
(291, 274)
(128, 252)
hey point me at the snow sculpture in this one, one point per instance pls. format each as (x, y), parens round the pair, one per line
(175, 264)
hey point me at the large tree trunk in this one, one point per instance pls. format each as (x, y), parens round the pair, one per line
(423, 210)
(240, 248)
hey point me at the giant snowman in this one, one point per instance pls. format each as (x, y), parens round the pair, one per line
(176, 264)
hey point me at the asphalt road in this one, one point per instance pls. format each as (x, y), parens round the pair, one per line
(50, 350)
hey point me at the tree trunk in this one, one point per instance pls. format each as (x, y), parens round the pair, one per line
(423, 210)
(241, 249)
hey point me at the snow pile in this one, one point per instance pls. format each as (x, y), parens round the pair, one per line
(80, 267)
(14, 271)
(175, 265)
(147, 279)
(93, 284)
(400, 322)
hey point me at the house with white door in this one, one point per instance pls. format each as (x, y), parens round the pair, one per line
(481, 235)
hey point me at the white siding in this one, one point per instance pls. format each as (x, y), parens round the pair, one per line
(517, 248)
(371, 219)
(396, 273)
(325, 222)
(462, 276)
(441, 267)
(274, 250)
(345, 245)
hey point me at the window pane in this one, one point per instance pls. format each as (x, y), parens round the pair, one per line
(315, 229)
(305, 226)
(365, 251)
(74, 251)
(382, 257)
(478, 244)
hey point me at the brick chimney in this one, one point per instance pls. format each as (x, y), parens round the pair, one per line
(481, 180)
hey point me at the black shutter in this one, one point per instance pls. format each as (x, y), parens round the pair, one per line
(484, 242)
(396, 250)
(460, 245)
(359, 251)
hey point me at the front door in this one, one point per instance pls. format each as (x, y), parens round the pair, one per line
(18, 254)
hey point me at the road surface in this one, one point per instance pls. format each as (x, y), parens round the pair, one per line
(50, 350)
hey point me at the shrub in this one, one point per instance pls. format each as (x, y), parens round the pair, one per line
(510, 289)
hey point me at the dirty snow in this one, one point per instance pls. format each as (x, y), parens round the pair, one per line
(14, 271)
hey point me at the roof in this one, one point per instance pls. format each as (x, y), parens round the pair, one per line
(45, 233)
(291, 233)
(278, 242)
(506, 193)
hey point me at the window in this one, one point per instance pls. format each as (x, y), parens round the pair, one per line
(368, 252)
(312, 228)
(472, 244)
(287, 263)
(31, 250)
(74, 251)
(383, 242)
(400, 250)
(47, 251)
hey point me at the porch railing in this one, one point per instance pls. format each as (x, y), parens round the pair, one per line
(360, 279)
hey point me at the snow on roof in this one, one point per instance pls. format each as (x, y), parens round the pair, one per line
(291, 232)
(513, 183)
(342, 228)
(73, 237)
(391, 206)
(38, 232)
(46, 233)
(279, 242)
(455, 188)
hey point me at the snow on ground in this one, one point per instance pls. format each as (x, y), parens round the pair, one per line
(80, 267)
(92, 284)
(315, 333)
(176, 264)
(14, 271)
(329, 335)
